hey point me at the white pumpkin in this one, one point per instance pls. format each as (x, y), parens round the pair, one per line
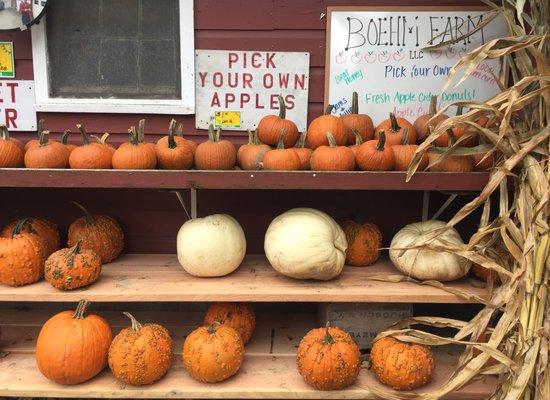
(428, 264)
(304, 243)
(211, 246)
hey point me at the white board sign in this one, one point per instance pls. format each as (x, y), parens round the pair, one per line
(17, 105)
(378, 54)
(235, 89)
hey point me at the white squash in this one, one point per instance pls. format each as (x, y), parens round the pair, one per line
(211, 246)
(304, 243)
(428, 264)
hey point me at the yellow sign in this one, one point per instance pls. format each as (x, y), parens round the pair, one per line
(227, 119)
(7, 65)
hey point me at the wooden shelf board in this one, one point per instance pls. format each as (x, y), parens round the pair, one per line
(157, 179)
(160, 278)
(269, 369)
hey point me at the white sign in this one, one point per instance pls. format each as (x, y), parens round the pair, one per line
(17, 105)
(235, 89)
(378, 54)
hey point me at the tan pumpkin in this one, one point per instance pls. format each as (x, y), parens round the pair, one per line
(328, 359)
(332, 157)
(303, 152)
(239, 316)
(11, 155)
(364, 243)
(99, 233)
(91, 155)
(134, 154)
(47, 154)
(213, 354)
(355, 122)
(250, 155)
(394, 128)
(426, 123)
(141, 354)
(174, 152)
(215, 154)
(281, 159)
(270, 127)
(317, 129)
(65, 141)
(404, 154)
(402, 366)
(72, 347)
(374, 155)
(22, 257)
(72, 268)
(46, 230)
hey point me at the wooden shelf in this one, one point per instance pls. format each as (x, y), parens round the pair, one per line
(156, 179)
(269, 370)
(160, 278)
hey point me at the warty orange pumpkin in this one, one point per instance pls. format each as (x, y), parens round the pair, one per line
(394, 128)
(251, 154)
(281, 159)
(332, 157)
(270, 127)
(404, 154)
(11, 155)
(47, 154)
(213, 353)
(134, 154)
(174, 152)
(239, 316)
(99, 233)
(215, 154)
(364, 243)
(46, 230)
(91, 155)
(426, 123)
(141, 354)
(72, 347)
(374, 155)
(355, 122)
(303, 152)
(317, 129)
(328, 359)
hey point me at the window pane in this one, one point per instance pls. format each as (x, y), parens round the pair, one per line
(126, 49)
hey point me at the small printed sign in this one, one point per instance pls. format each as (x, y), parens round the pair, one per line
(7, 63)
(17, 105)
(227, 119)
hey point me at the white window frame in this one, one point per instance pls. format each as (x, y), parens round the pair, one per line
(185, 105)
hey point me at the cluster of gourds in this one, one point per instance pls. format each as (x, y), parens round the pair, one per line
(73, 347)
(30, 250)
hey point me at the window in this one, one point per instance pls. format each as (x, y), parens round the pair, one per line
(115, 56)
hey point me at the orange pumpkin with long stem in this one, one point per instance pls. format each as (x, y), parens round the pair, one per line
(65, 141)
(374, 155)
(4, 133)
(215, 153)
(72, 347)
(332, 157)
(394, 128)
(103, 140)
(358, 142)
(11, 155)
(317, 129)
(239, 316)
(451, 162)
(179, 133)
(364, 243)
(404, 153)
(250, 155)
(328, 359)
(46, 230)
(303, 152)
(426, 123)
(35, 142)
(91, 155)
(134, 154)
(173, 152)
(355, 122)
(270, 126)
(47, 154)
(281, 159)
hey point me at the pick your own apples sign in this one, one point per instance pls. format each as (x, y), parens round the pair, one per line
(235, 89)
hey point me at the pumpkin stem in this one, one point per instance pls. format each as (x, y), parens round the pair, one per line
(211, 133)
(394, 125)
(75, 250)
(81, 309)
(136, 326)
(328, 339)
(355, 103)
(141, 130)
(358, 137)
(381, 141)
(331, 140)
(452, 137)
(433, 106)
(329, 109)
(282, 108)
(65, 136)
(4, 133)
(281, 143)
(85, 136)
(218, 134)
(179, 129)
(44, 138)
(171, 129)
(301, 143)
(104, 138)
(213, 327)
(87, 214)
(405, 138)
(251, 139)
(19, 226)
(134, 137)
(40, 127)
(459, 110)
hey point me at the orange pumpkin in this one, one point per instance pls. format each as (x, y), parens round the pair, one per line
(328, 359)
(394, 128)
(213, 354)
(426, 123)
(91, 155)
(364, 243)
(355, 122)
(271, 125)
(374, 155)
(11, 155)
(451, 163)
(72, 347)
(358, 142)
(332, 157)
(6, 135)
(281, 159)
(46, 230)
(22, 256)
(404, 154)
(35, 142)
(215, 154)
(303, 152)
(239, 316)
(250, 155)
(317, 129)
(65, 141)
(403, 366)
(103, 140)
(460, 130)
(142, 354)
(99, 233)
(47, 154)
(179, 132)
(134, 154)
(174, 152)
(69, 269)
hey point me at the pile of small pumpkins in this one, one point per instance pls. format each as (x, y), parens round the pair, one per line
(331, 143)
(30, 250)
(327, 358)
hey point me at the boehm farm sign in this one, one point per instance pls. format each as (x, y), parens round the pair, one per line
(17, 105)
(235, 89)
